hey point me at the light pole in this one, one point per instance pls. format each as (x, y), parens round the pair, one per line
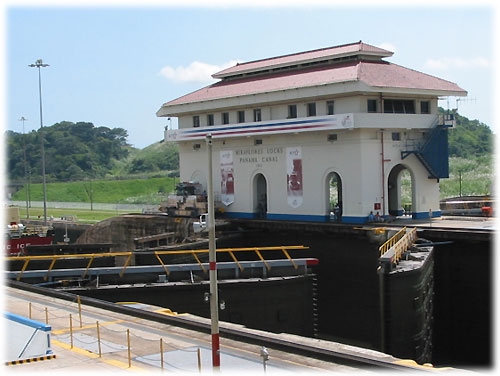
(39, 64)
(460, 181)
(214, 298)
(23, 119)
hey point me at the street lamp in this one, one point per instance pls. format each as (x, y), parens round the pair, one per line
(23, 119)
(39, 64)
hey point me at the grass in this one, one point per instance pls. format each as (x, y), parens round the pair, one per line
(82, 215)
(466, 178)
(140, 191)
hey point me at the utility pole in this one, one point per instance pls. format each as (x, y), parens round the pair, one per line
(460, 182)
(39, 64)
(23, 119)
(214, 298)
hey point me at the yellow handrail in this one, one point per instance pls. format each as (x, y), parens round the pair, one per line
(393, 240)
(179, 252)
(129, 255)
(404, 242)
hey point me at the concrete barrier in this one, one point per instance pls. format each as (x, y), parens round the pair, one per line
(26, 338)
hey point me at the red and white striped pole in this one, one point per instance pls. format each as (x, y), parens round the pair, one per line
(214, 298)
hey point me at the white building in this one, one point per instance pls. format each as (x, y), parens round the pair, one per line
(291, 133)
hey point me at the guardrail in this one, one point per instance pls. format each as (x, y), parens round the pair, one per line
(397, 248)
(393, 240)
(158, 254)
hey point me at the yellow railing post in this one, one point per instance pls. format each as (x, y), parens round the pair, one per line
(25, 265)
(98, 339)
(71, 329)
(79, 309)
(288, 256)
(262, 259)
(162, 264)
(128, 349)
(126, 264)
(88, 266)
(161, 353)
(199, 261)
(235, 260)
(49, 269)
(199, 360)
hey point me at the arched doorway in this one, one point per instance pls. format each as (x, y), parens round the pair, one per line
(260, 196)
(334, 196)
(400, 191)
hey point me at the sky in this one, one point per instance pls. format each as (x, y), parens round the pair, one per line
(115, 65)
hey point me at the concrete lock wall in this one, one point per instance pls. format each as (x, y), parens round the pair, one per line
(279, 305)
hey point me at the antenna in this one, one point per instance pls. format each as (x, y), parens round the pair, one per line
(466, 100)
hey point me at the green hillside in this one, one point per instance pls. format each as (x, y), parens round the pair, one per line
(79, 151)
(158, 157)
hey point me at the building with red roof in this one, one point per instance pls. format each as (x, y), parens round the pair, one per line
(318, 135)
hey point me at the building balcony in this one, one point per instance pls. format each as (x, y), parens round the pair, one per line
(307, 124)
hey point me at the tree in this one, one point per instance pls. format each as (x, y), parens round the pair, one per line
(71, 150)
(470, 138)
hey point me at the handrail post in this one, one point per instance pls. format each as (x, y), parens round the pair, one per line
(262, 259)
(161, 353)
(99, 339)
(79, 309)
(126, 264)
(71, 329)
(128, 349)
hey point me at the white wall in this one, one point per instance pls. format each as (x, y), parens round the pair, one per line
(350, 104)
(355, 156)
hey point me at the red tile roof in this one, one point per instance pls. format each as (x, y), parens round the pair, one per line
(302, 57)
(384, 74)
(374, 73)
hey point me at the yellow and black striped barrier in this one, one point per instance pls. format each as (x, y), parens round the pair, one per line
(30, 360)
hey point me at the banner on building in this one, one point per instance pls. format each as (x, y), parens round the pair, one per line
(294, 176)
(227, 177)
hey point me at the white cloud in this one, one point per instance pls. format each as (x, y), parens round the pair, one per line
(197, 71)
(387, 46)
(445, 63)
